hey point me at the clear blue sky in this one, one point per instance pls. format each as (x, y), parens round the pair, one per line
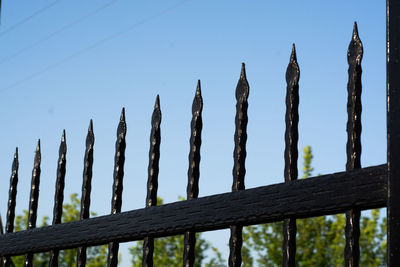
(79, 60)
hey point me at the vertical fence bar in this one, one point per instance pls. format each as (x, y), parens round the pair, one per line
(239, 157)
(152, 182)
(353, 148)
(33, 200)
(393, 131)
(86, 189)
(291, 153)
(12, 194)
(116, 201)
(59, 195)
(193, 172)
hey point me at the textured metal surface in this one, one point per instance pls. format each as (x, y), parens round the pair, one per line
(59, 195)
(393, 131)
(86, 188)
(239, 158)
(353, 148)
(192, 190)
(291, 153)
(33, 200)
(116, 202)
(327, 194)
(152, 181)
(12, 194)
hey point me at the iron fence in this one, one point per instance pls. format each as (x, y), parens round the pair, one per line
(347, 192)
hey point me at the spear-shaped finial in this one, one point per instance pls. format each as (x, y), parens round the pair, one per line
(15, 162)
(197, 105)
(90, 134)
(37, 154)
(122, 124)
(157, 103)
(198, 88)
(91, 126)
(355, 51)
(293, 57)
(63, 145)
(156, 117)
(355, 31)
(242, 88)
(122, 118)
(63, 136)
(293, 70)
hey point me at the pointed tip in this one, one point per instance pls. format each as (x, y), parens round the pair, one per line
(243, 71)
(122, 118)
(293, 56)
(38, 146)
(198, 88)
(91, 126)
(63, 137)
(16, 153)
(242, 88)
(157, 104)
(355, 30)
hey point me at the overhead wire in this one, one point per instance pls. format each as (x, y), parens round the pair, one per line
(60, 30)
(26, 19)
(94, 45)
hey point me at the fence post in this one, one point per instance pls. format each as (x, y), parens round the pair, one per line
(393, 131)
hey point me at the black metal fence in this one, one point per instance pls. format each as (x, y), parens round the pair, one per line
(351, 191)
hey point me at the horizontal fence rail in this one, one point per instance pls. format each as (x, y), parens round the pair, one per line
(323, 195)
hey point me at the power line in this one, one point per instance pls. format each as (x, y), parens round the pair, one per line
(94, 45)
(24, 20)
(62, 29)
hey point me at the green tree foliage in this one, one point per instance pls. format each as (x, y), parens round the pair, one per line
(168, 251)
(320, 240)
(96, 256)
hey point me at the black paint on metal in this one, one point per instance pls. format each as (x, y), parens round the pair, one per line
(12, 194)
(192, 190)
(291, 153)
(33, 200)
(152, 181)
(116, 203)
(239, 158)
(393, 131)
(86, 189)
(59, 195)
(323, 195)
(353, 148)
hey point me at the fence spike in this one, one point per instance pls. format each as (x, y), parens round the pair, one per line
(11, 202)
(239, 157)
(152, 182)
(86, 188)
(193, 172)
(33, 201)
(116, 201)
(291, 153)
(353, 147)
(59, 193)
